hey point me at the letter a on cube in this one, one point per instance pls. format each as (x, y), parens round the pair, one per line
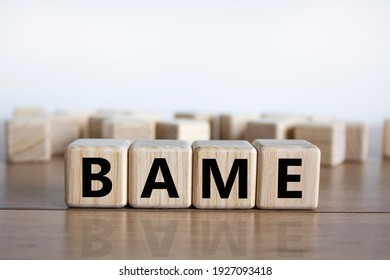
(96, 173)
(288, 173)
(160, 174)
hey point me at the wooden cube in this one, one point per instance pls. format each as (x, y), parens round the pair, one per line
(329, 137)
(81, 118)
(270, 128)
(28, 139)
(386, 139)
(233, 126)
(95, 122)
(357, 142)
(224, 174)
(64, 130)
(188, 130)
(288, 173)
(96, 173)
(128, 127)
(211, 118)
(160, 174)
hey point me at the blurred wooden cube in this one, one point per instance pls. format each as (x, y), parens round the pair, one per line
(329, 137)
(233, 126)
(28, 139)
(211, 118)
(63, 131)
(81, 118)
(188, 130)
(270, 128)
(160, 174)
(128, 127)
(357, 142)
(96, 173)
(288, 173)
(224, 174)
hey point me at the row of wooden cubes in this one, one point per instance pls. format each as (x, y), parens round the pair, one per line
(233, 174)
(37, 138)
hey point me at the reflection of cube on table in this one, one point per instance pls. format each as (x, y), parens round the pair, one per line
(288, 174)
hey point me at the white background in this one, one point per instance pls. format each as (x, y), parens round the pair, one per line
(311, 57)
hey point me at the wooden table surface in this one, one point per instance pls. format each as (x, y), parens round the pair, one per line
(351, 222)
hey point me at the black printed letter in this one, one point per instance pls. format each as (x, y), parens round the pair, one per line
(151, 184)
(284, 178)
(88, 177)
(224, 191)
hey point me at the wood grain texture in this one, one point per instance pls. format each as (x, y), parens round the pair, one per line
(28, 139)
(211, 118)
(128, 127)
(233, 126)
(178, 158)
(269, 153)
(329, 136)
(225, 153)
(115, 151)
(63, 131)
(187, 130)
(386, 139)
(356, 142)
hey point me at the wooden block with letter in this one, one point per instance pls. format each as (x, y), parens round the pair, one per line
(224, 174)
(96, 173)
(188, 130)
(233, 126)
(128, 127)
(64, 130)
(160, 174)
(288, 173)
(357, 142)
(211, 118)
(28, 139)
(329, 137)
(386, 139)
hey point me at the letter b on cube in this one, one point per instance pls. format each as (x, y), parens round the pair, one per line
(96, 173)
(288, 173)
